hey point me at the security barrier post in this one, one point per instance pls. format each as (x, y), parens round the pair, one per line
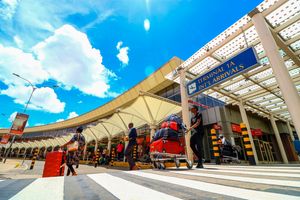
(134, 152)
(97, 157)
(247, 144)
(34, 158)
(112, 156)
(215, 144)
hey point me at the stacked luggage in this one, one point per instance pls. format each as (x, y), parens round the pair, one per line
(168, 143)
(54, 164)
(171, 128)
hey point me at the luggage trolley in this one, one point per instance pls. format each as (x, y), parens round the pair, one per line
(166, 149)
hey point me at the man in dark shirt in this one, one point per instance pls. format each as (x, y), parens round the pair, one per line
(132, 141)
(198, 133)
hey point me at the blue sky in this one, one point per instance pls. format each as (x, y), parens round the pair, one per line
(95, 50)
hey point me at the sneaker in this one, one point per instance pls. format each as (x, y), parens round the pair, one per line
(199, 165)
(74, 174)
(135, 167)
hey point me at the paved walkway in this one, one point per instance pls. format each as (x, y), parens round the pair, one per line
(8, 170)
(213, 182)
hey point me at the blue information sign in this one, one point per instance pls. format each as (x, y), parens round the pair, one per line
(234, 66)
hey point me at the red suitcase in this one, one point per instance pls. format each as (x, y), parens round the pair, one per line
(167, 146)
(54, 164)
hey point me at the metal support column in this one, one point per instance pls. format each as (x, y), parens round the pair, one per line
(152, 131)
(185, 112)
(283, 78)
(290, 130)
(246, 122)
(109, 145)
(84, 151)
(278, 139)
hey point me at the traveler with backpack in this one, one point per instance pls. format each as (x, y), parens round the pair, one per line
(75, 145)
(197, 134)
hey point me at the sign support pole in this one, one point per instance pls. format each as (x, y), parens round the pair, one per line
(290, 130)
(9, 148)
(185, 112)
(278, 139)
(283, 78)
(246, 122)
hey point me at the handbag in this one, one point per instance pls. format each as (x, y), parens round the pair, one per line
(74, 146)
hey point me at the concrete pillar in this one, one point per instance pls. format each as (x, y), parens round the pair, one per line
(18, 152)
(232, 140)
(290, 130)
(84, 151)
(152, 131)
(45, 152)
(125, 145)
(109, 145)
(283, 78)
(96, 146)
(246, 122)
(185, 112)
(278, 139)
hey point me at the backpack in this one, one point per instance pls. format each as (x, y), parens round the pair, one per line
(173, 122)
(166, 133)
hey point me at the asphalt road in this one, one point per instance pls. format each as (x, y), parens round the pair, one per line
(213, 182)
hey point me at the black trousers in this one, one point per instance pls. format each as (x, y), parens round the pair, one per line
(128, 152)
(70, 169)
(120, 156)
(196, 143)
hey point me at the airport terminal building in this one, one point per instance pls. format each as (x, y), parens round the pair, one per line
(265, 97)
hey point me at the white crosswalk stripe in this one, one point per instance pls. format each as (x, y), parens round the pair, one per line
(295, 170)
(242, 179)
(254, 167)
(255, 173)
(216, 188)
(42, 188)
(163, 184)
(126, 190)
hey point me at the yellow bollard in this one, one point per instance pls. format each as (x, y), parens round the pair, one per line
(34, 158)
(112, 157)
(135, 152)
(97, 157)
(247, 144)
(215, 144)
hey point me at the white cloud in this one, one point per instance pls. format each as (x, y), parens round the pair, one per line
(60, 120)
(79, 102)
(19, 42)
(114, 94)
(14, 60)
(12, 116)
(72, 115)
(8, 8)
(39, 124)
(35, 20)
(123, 53)
(61, 57)
(44, 98)
(101, 17)
(70, 59)
(147, 25)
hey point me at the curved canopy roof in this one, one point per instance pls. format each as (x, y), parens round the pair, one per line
(146, 109)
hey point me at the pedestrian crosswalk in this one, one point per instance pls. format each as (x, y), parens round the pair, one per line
(212, 182)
